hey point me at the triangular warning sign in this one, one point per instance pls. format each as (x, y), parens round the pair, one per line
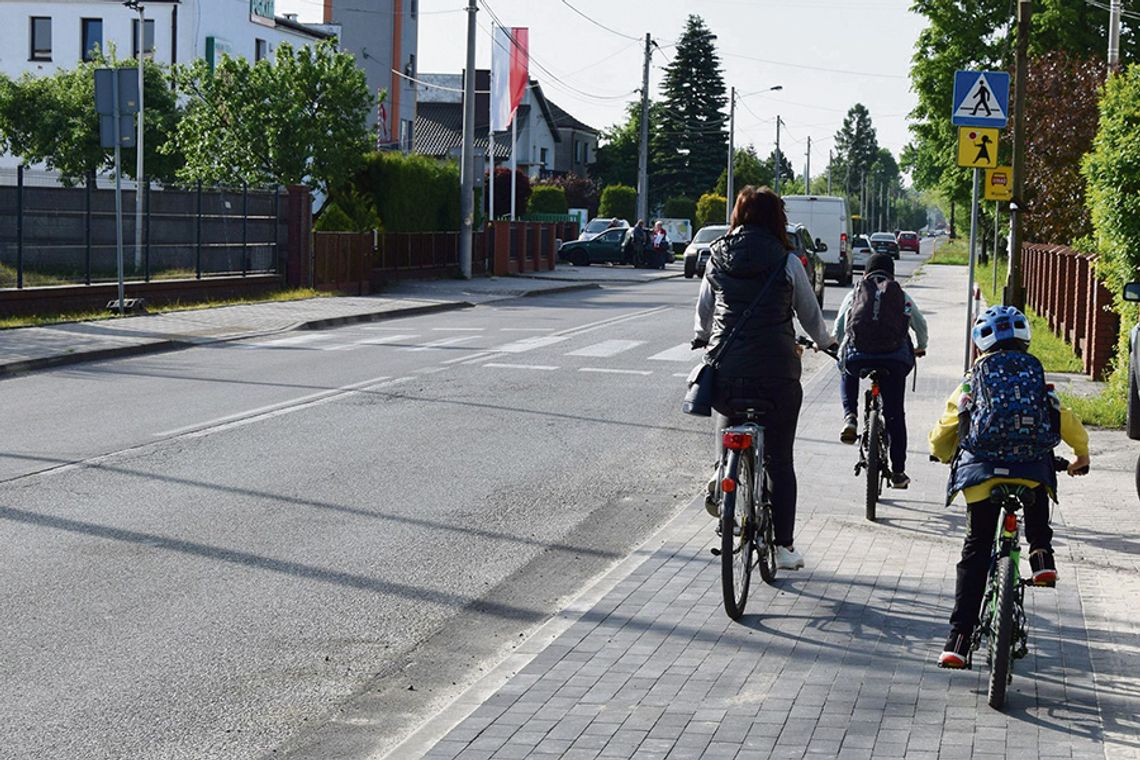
(980, 102)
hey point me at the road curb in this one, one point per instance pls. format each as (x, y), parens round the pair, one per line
(11, 369)
(378, 316)
(563, 289)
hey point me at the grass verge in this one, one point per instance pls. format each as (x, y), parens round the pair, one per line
(954, 252)
(39, 320)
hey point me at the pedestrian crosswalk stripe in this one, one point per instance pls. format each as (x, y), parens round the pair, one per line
(529, 344)
(442, 343)
(679, 353)
(617, 371)
(544, 367)
(607, 348)
(458, 329)
(387, 339)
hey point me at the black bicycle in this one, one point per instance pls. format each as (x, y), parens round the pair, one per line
(873, 454)
(1003, 623)
(747, 535)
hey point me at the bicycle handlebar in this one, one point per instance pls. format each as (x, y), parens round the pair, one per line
(809, 343)
(1060, 464)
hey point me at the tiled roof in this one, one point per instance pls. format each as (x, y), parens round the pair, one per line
(439, 131)
(564, 120)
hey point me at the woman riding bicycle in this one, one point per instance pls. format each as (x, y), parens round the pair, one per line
(762, 365)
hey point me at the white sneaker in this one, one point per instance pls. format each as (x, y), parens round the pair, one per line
(788, 559)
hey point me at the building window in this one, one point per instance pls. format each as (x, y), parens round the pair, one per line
(542, 157)
(148, 38)
(260, 49)
(414, 8)
(92, 37)
(406, 136)
(40, 48)
(578, 152)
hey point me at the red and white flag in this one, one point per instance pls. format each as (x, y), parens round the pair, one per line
(509, 73)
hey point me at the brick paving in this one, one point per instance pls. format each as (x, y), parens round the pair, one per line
(837, 660)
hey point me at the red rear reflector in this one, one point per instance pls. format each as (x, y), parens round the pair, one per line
(875, 390)
(1010, 523)
(728, 485)
(737, 440)
(842, 237)
(804, 261)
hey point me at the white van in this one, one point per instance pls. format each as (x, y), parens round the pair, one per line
(827, 219)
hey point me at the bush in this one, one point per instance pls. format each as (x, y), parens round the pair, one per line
(547, 199)
(680, 207)
(711, 210)
(619, 201)
(503, 191)
(333, 219)
(1112, 171)
(411, 193)
(580, 192)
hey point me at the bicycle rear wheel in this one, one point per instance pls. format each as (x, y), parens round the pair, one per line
(874, 433)
(766, 542)
(737, 523)
(1001, 635)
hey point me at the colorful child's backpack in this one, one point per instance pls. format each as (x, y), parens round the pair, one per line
(1007, 413)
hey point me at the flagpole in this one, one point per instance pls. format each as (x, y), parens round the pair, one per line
(491, 133)
(514, 158)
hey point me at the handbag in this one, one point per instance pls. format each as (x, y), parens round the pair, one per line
(702, 380)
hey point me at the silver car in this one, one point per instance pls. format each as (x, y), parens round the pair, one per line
(697, 252)
(860, 250)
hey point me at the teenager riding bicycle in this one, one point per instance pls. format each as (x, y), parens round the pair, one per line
(875, 320)
(763, 360)
(1000, 426)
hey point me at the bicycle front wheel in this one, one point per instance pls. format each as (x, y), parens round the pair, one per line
(737, 523)
(874, 432)
(1001, 635)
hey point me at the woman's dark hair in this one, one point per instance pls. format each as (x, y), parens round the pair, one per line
(762, 207)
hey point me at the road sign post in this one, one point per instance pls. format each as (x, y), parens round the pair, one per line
(116, 96)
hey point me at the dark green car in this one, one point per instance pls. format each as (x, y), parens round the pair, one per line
(607, 248)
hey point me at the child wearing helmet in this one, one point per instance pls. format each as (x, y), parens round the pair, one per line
(1000, 426)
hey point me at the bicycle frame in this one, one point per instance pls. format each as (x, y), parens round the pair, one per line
(872, 399)
(1006, 544)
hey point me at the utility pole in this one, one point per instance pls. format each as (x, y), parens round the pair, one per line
(830, 159)
(777, 172)
(1014, 295)
(1114, 37)
(643, 151)
(141, 50)
(467, 159)
(807, 170)
(730, 188)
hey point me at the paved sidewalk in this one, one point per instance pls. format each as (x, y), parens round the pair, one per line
(836, 660)
(31, 348)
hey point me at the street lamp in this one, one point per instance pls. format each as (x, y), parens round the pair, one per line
(729, 185)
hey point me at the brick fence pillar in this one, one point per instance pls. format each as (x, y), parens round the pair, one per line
(299, 260)
(1105, 324)
(502, 255)
(1079, 327)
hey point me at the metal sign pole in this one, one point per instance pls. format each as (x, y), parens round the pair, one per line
(973, 263)
(115, 114)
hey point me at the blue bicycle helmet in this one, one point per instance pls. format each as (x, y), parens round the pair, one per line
(998, 324)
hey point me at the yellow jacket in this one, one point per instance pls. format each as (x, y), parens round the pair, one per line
(944, 444)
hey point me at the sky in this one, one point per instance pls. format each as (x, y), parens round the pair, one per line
(826, 54)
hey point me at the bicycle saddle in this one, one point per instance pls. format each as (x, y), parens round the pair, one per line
(881, 372)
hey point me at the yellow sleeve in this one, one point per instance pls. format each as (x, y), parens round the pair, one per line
(944, 436)
(1074, 433)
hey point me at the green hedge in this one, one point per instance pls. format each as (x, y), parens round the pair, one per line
(619, 201)
(547, 199)
(411, 193)
(680, 207)
(710, 210)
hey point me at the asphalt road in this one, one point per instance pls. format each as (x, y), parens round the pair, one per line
(238, 550)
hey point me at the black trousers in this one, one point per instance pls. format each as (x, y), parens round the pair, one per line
(981, 527)
(785, 398)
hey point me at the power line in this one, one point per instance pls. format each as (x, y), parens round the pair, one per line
(813, 68)
(599, 24)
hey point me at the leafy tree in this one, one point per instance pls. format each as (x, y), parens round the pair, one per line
(856, 148)
(52, 119)
(412, 193)
(1056, 139)
(747, 169)
(711, 209)
(503, 191)
(581, 192)
(618, 201)
(617, 156)
(787, 173)
(547, 199)
(689, 140)
(299, 118)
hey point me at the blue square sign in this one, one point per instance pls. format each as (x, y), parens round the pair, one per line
(981, 99)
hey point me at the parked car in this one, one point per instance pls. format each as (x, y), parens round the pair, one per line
(860, 250)
(1132, 293)
(827, 217)
(697, 252)
(884, 242)
(597, 226)
(609, 248)
(809, 251)
(908, 241)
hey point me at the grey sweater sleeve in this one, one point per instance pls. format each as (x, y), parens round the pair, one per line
(804, 304)
(702, 322)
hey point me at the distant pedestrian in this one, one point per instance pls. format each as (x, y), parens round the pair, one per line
(634, 245)
(661, 245)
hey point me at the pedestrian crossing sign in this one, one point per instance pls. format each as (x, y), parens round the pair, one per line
(977, 147)
(981, 99)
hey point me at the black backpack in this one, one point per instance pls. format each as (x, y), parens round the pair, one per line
(878, 321)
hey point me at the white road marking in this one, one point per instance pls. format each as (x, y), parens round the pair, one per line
(261, 410)
(616, 371)
(291, 340)
(459, 329)
(386, 339)
(437, 344)
(543, 367)
(680, 374)
(526, 329)
(529, 344)
(679, 353)
(607, 348)
(469, 357)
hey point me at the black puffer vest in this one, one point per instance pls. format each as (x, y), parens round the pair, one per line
(741, 265)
